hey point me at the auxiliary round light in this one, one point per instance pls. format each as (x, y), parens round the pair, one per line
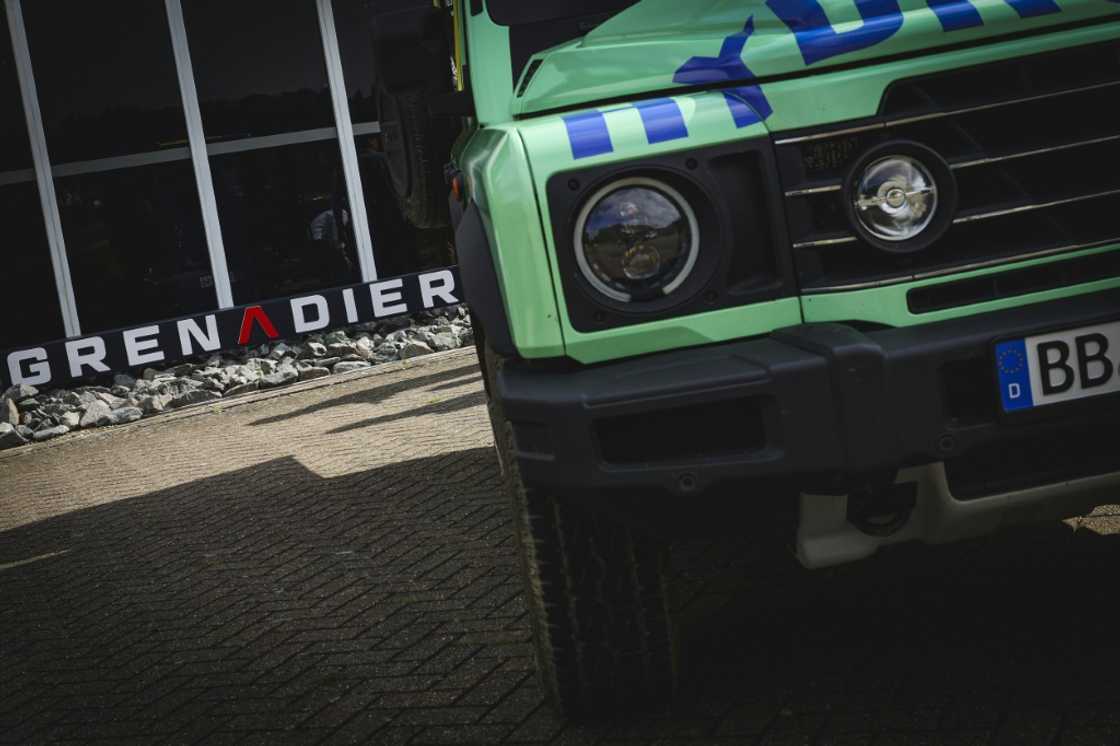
(901, 197)
(896, 198)
(636, 239)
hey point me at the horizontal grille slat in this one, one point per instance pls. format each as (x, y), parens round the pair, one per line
(1014, 283)
(1036, 167)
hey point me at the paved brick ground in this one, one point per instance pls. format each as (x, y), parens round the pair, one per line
(335, 564)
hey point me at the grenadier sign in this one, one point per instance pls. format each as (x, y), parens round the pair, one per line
(62, 362)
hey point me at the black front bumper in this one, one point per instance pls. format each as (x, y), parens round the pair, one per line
(820, 406)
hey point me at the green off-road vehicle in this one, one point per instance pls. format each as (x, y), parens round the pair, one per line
(845, 272)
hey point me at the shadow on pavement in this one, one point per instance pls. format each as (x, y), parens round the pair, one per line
(384, 607)
(442, 406)
(375, 394)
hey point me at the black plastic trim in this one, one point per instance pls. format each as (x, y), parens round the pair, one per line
(1012, 283)
(480, 281)
(842, 403)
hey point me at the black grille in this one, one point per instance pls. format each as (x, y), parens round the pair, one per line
(1016, 282)
(1034, 144)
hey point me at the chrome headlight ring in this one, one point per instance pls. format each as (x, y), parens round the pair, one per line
(642, 253)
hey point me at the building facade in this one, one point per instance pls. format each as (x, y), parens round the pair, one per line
(163, 158)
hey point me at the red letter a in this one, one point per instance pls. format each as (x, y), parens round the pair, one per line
(257, 314)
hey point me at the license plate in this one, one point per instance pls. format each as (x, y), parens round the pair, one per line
(1062, 366)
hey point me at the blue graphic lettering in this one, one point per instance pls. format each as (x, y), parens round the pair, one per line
(1034, 8)
(588, 134)
(1014, 376)
(662, 119)
(747, 103)
(819, 41)
(956, 14)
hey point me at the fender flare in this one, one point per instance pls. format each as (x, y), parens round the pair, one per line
(480, 282)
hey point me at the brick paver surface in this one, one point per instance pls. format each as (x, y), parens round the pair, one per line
(335, 564)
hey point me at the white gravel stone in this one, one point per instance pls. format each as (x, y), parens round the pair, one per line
(123, 415)
(49, 433)
(196, 396)
(313, 372)
(346, 367)
(414, 349)
(9, 412)
(28, 414)
(94, 414)
(243, 388)
(10, 437)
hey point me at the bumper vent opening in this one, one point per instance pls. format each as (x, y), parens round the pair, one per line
(1063, 454)
(968, 401)
(712, 430)
(1049, 276)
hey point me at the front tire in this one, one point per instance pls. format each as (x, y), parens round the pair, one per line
(595, 591)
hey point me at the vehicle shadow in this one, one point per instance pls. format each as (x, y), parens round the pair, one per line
(439, 381)
(385, 606)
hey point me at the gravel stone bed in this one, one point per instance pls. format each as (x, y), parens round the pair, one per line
(29, 415)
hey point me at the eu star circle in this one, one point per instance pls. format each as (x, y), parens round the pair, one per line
(1012, 361)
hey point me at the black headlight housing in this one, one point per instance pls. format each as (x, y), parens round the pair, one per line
(670, 236)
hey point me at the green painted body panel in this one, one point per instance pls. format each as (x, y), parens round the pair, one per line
(497, 171)
(709, 123)
(509, 162)
(639, 50)
(489, 69)
(810, 101)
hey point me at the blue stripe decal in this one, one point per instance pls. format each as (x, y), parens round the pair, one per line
(1033, 8)
(588, 134)
(747, 103)
(662, 119)
(955, 14)
(819, 41)
(1014, 376)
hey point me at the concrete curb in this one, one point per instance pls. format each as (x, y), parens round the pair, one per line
(195, 410)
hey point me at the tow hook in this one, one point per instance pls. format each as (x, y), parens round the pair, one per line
(881, 510)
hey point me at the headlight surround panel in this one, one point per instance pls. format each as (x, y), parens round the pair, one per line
(732, 191)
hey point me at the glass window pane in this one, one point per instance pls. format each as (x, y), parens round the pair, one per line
(106, 78)
(259, 69)
(398, 247)
(136, 245)
(355, 48)
(15, 151)
(29, 303)
(285, 220)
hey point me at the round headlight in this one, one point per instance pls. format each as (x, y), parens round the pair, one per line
(901, 197)
(636, 239)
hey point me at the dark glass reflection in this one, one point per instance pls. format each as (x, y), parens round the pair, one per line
(28, 304)
(285, 220)
(398, 247)
(355, 48)
(106, 78)
(136, 245)
(258, 67)
(15, 151)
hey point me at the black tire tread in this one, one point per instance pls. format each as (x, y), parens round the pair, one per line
(596, 597)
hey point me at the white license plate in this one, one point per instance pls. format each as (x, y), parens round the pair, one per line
(1062, 366)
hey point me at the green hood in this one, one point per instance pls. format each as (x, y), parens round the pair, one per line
(661, 45)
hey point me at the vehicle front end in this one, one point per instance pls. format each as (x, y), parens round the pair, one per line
(875, 270)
